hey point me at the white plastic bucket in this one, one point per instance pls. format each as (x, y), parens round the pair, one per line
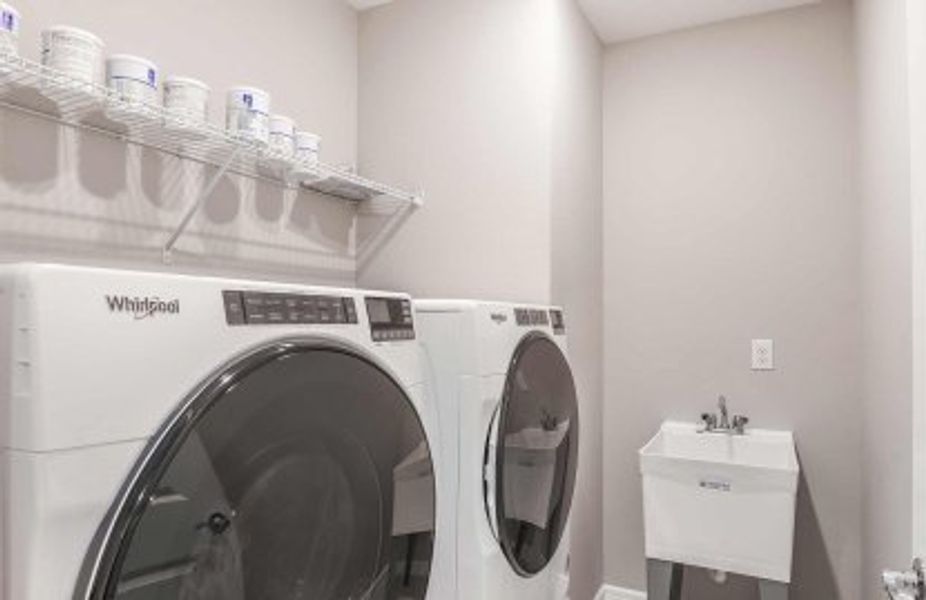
(134, 78)
(247, 114)
(282, 135)
(9, 29)
(187, 99)
(307, 147)
(74, 52)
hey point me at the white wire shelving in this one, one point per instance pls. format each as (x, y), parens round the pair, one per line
(31, 88)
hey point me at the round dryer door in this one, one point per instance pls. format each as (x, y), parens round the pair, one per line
(532, 454)
(302, 472)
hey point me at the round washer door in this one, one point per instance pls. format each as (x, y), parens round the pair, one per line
(302, 472)
(533, 451)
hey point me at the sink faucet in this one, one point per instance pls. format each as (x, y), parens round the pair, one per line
(724, 415)
(710, 423)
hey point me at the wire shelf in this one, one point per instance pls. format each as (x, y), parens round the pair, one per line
(30, 87)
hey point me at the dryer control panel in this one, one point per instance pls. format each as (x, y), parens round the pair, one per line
(269, 308)
(390, 319)
(527, 317)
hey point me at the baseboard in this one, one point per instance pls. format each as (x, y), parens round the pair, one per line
(612, 592)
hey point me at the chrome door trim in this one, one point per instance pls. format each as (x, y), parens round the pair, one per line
(490, 474)
(497, 429)
(108, 546)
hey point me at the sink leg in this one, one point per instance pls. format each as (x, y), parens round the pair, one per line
(664, 580)
(773, 590)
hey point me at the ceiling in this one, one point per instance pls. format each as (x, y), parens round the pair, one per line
(621, 20)
(365, 4)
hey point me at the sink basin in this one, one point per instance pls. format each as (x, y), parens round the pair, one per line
(721, 501)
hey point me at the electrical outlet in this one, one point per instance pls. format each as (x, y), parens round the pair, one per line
(763, 355)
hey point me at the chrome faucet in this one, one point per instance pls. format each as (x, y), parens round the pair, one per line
(710, 423)
(724, 415)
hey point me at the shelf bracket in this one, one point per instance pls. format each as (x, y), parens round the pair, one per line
(393, 221)
(168, 249)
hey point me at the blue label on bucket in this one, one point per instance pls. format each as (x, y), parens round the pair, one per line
(249, 100)
(9, 21)
(152, 78)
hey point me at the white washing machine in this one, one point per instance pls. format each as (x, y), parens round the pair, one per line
(168, 437)
(502, 374)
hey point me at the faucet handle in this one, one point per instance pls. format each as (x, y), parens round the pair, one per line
(709, 422)
(739, 424)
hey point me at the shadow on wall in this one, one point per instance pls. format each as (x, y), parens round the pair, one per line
(376, 226)
(812, 573)
(79, 196)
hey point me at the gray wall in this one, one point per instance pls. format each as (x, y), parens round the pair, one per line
(495, 108)
(455, 97)
(916, 69)
(885, 171)
(577, 268)
(730, 214)
(66, 196)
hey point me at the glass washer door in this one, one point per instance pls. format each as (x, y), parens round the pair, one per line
(531, 455)
(302, 473)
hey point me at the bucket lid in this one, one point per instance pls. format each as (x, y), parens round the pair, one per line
(75, 31)
(132, 58)
(308, 136)
(181, 80)
(281, 122)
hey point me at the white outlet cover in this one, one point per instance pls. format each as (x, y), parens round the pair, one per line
(763, 355)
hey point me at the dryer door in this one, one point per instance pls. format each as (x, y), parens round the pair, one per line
(302, 472)
(531, 455)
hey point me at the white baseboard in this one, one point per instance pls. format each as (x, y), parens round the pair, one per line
(612, 592)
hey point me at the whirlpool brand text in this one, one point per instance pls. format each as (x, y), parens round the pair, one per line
(143, 307)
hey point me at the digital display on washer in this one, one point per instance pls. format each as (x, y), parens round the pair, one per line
(378, 309)
(390, 318)
(267, 308)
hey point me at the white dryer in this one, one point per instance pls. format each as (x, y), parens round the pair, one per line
(168, 437)
(502, 375)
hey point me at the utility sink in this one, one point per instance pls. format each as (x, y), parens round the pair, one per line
(721, 501)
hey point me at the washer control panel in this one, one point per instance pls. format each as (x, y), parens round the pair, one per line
(530, 317)
(557, 321)
(390, 319)
(268, 308)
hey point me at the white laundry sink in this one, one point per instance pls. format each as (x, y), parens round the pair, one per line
(721, 501)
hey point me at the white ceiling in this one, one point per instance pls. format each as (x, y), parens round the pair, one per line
(620, 20)
(365, 4)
